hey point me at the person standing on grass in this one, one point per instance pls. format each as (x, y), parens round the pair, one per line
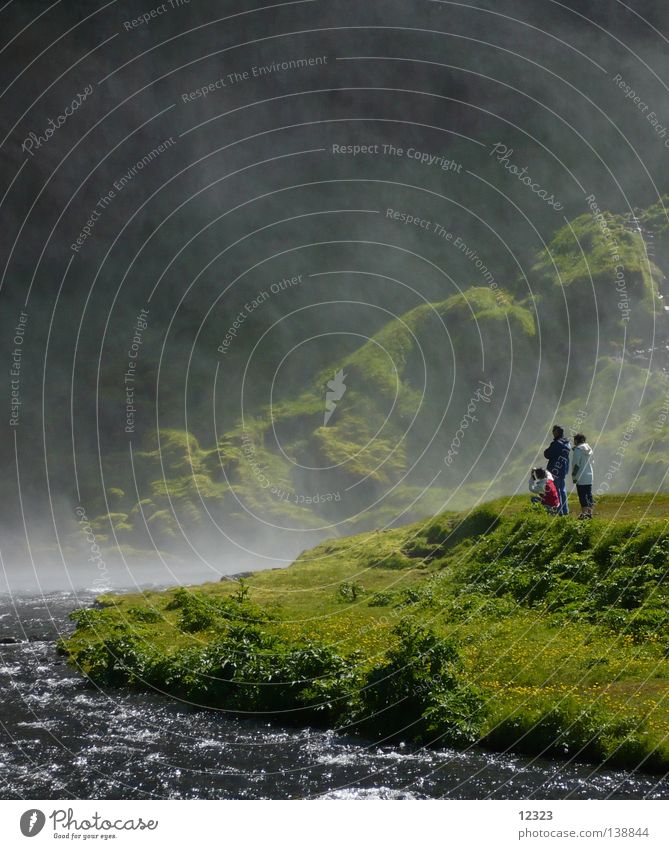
(542, 487)
(582, 474)
(557, 455)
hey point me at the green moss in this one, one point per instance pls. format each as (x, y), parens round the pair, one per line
(581, 263)
(103, 523)
(655, 217)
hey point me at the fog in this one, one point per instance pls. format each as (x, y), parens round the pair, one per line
(210, 209)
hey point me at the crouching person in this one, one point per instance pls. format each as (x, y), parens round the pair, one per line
(542, 485)
(582, 474)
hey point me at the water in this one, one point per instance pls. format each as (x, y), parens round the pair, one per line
(61, 738)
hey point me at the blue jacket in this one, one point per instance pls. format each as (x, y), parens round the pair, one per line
(557, 455)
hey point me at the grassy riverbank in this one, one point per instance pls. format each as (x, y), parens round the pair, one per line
(501, 626)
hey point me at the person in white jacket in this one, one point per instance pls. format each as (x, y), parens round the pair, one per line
(582, 474)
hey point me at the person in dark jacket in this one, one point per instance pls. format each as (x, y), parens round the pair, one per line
(557, 455)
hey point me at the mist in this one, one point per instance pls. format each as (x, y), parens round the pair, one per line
(442, 224)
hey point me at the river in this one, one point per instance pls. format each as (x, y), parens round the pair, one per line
(62, 738)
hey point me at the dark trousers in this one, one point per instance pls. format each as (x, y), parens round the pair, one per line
(561, 486)
(584, 491)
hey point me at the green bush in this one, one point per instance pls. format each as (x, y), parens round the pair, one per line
(567, 597)
(420, 691)
(349, 591)
(648, 622)
(627, 585)
(410, 596)
(87, 618)
(199, 611)
(581, 568)
(380, 599)
(123, 659)
(144, 614)
(245, 670)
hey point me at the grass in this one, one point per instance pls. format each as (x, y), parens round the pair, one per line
(501, 627)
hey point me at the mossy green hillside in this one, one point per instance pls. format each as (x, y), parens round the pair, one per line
(502, 627)
(631, 442)
(286, 466)
(368, 467)
(601, 266)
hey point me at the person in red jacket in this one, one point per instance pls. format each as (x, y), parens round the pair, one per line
(544, 489)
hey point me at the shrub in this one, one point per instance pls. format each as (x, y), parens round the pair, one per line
(380, 600)
(200, 611)
(576, 567)
(118, 660)
(349, 591)
(242, 591)
(144, 614)
(409, 596)
(87, 618)
(245, 669)
(567, 597)
(248, 669)
(197, 613)
(419, 691)
(626, 586)
(648, 623)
